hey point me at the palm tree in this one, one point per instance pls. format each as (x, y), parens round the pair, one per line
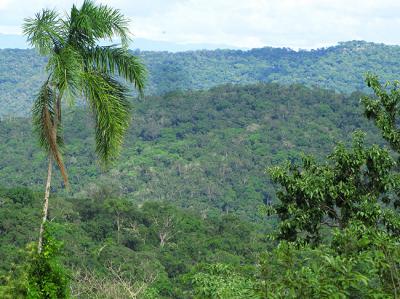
(79, 68)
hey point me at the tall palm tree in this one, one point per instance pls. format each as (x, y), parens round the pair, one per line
(79, 68)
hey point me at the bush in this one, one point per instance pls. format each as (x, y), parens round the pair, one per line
(42, 276)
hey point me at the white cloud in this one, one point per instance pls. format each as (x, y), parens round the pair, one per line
(250, 23)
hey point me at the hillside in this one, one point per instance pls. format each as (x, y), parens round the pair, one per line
(202, 150)
(339, 68)
(230, 173)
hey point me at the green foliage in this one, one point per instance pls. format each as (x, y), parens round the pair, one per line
(108, 101)
(339, 68)
(40, 276)
(46, 277)
(94, 22)
(355, 191)
(383, 109)
(206, 151)
(43, 30)
(361, 262)
(222, 282)
(112, 242)
(347, 187)
(19, 195)
(118, 60)
(17, 208)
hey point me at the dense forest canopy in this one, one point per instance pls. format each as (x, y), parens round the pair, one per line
(340, 68)
(205, 150)
(117, 244)
(156, 246)
(267, 173)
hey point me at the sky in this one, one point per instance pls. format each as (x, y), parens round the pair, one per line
(298, 24)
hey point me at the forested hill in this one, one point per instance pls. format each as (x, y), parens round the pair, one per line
(340, 68)
(203, 150)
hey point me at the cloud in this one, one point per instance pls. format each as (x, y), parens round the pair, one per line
(255, 23)
(250, 23)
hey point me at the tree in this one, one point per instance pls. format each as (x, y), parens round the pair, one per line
(340, 226)
(383, 109)
(79, 67)
(351, 185)
(118, 207)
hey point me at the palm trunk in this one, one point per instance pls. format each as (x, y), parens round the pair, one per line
(45, 205)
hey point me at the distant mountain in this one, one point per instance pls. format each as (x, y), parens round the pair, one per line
(340, 68)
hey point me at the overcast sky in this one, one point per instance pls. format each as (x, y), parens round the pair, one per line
(245, 24)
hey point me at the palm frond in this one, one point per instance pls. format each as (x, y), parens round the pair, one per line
(109, 101)
(46, 125)
(94, 22)
(77, 67)
(66, 67)
(118, 61)
(43, 31)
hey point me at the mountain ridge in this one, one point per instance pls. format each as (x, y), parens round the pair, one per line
(339, 68)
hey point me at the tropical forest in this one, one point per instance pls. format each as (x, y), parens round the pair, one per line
(226, 173)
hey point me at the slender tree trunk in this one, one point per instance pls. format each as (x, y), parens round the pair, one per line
(45, 205)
